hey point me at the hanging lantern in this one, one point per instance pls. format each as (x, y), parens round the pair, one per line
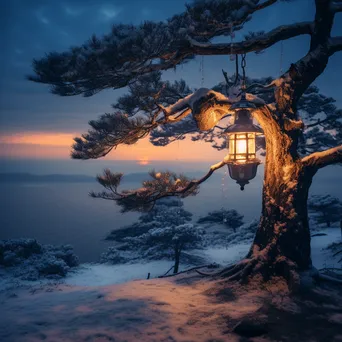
(242, 161)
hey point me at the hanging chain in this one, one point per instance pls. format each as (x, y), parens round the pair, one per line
(243, 67)
(224, 195)
(281, 57)
(232, 36)
(202, 71)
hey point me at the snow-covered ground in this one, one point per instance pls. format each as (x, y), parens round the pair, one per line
(104, 274)
(322, 257)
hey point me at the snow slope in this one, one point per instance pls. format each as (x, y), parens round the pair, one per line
(186, 308)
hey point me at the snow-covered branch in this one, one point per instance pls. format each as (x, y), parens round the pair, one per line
(207, 106)
(321, 159)
(127, 52)
(161, 185)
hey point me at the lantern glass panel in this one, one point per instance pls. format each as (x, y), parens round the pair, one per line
(232, 146)
(241, 146)
(251, 143)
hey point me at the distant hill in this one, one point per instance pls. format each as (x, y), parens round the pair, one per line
(60, 178)
(30, 178)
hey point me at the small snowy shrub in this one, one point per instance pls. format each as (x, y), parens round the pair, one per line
(12, 251)
(29, 260)
(50, 265)
(229, 218)
(10, 258)
(113, 256)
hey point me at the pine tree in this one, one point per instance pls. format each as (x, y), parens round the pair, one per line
(328, 209)
(298, 143)
(174, 238)
(229, 218)
(167, 212)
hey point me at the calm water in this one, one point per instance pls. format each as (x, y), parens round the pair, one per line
(65, 214)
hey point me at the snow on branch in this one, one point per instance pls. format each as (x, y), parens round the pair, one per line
(160, 185)
(207, 106)
(324, 158)
(127, 52)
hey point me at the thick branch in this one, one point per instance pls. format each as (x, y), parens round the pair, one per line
(308, 68)
(259, 43)
(321, 159)
(59, 70)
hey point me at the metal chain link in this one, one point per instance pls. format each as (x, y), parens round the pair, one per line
(243, 66)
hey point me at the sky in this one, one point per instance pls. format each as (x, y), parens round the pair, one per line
(36, 125)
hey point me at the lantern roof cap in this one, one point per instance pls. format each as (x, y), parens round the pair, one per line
(243, 103)
(243, 128)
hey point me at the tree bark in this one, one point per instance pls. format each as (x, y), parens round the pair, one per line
(177, 260)
(282, 242)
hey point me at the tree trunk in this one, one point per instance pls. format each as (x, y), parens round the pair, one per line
(177, 259)
(328, 224)
(282, 242)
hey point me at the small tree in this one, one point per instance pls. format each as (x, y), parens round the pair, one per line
(175, 239)
(167, 212)
(229, 218)
(328, 209)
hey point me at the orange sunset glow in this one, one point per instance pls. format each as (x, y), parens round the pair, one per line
(57, 145)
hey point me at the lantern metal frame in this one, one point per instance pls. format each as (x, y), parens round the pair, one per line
(242, 166)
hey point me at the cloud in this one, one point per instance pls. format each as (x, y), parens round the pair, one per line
(73, 12)
(39, 138)
(42, 18)
(108, 12)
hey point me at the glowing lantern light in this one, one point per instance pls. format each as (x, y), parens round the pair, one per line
(242, 161)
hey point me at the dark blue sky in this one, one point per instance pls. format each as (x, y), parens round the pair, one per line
(30, 28)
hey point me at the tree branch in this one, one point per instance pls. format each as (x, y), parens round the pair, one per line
(163, 184)
(265, 4)
(261, 42)
(321, 159)
(335, 44)
(336, 7)
(318, 123)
